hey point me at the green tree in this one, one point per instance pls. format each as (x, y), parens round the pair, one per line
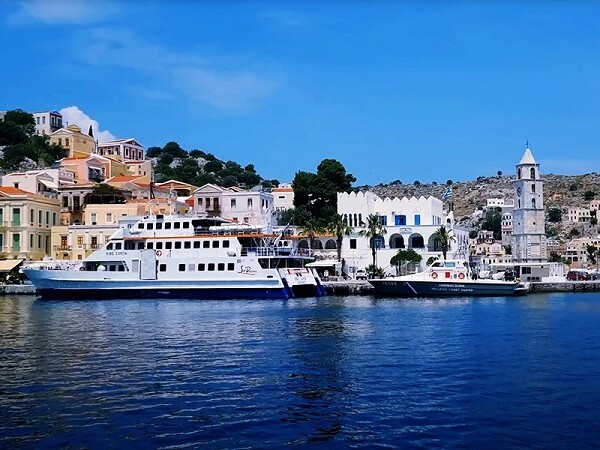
(592, 252)
(174, 150)
(589, 195)
(554, 215)
(315, 195)
(404, 257)
(373, 230)
(443, 236)
(339, 228)
(311, 229)
(574, 232)
(493, 222)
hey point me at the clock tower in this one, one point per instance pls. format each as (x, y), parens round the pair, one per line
(529, 235)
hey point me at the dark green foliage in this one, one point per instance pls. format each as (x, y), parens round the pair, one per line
(589, 195)
(19, 141)
(473, 234)
(594, 221)
(573, 187)
(417, 183)
(315, 195)
(105, 194)
(198, 168)
(493, 222)
(409, 256)
(574, 232)
(449, 182)
(554, 215)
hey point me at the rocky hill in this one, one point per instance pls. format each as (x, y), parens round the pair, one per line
(560, 191)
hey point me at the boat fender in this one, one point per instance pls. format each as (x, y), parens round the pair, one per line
(81, 268)
(461, 276)
(434, 275)
(158, 253)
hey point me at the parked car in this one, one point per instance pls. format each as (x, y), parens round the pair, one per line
(361, 274)
(578, 275)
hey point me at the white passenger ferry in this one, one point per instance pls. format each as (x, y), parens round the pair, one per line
(183, 257)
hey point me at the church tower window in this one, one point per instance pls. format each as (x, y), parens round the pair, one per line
(533, 173)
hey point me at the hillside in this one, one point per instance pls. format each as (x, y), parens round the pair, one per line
(560, 191)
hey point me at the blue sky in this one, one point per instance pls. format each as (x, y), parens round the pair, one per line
(424, 91)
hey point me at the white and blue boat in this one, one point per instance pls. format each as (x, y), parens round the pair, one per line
(449, 278)
(183, 257)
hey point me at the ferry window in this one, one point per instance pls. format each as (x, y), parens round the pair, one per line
(150, 226)
(168, 245)
(186, 224)
(111, 268)
(121, 268)
(191, 267)
(211, 266)
(206, 244)
(352, 243)
(150, 245)
(230, 266)
(140, 245)
(141, 226)
(526, 270)
(225, 244)
(187, 244)
(177, 245)
(159, 226)
(182, 267)
(450, 264)
(162, 267)
(176, 224)
(117, 246)
(215, 244)
(438, 264)
(167, 225)
(109, 246)
(196, 244)
(159, 245)
(201, 267)
(221, 266)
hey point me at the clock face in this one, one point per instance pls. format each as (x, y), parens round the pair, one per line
(519, 191)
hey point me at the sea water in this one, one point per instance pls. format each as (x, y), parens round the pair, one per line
(521, 372)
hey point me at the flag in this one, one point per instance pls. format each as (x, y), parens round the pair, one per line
(447, 193)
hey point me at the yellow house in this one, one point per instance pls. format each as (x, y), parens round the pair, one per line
(25, 222)
(73, 140)
(77, 242)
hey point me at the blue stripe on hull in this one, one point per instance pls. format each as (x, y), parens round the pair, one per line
(429, 289)
(199, 294)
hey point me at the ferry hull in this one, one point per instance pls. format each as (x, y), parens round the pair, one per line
(423, 288)
(189, 293)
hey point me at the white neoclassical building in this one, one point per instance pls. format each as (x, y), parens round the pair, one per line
(410, 223)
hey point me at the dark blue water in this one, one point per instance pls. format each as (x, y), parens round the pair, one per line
(340, 372)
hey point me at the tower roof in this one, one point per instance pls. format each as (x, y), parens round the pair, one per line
(527, 157)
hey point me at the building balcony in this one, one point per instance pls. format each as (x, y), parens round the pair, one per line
(62, 248)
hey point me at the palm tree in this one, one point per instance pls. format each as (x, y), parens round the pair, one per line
(443, 236)
(373, 229)
(311, 228)
(339, 228)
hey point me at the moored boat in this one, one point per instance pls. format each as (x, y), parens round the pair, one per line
(447, 278)
(182, 257)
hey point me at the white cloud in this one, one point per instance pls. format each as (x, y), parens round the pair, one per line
(220, 84)
(58, 12)
(72, 115)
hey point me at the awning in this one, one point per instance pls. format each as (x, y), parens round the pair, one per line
(49, 184)
(324, 263)
(9, 264)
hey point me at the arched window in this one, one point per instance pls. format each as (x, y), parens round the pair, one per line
(377, 242)
(355, 221)
(346, 220)
(532, 173)
(360, 222)
(533, 187)
(519, 204)
(330, 244)
(519, 173)
(533, 202)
